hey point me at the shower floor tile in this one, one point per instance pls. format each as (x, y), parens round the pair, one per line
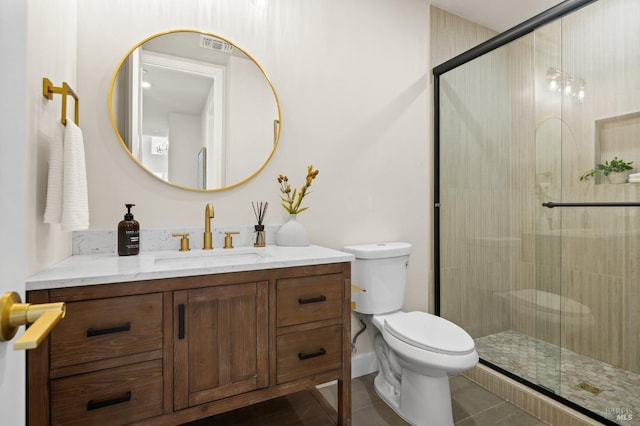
(563, 370)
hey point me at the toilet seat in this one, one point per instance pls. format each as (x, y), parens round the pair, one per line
(429, 332)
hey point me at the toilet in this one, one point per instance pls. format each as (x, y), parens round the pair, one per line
(416, 351)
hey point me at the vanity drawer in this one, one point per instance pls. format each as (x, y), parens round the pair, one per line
(307, 299)
(114, 396)
(99, 329)
(310, 352)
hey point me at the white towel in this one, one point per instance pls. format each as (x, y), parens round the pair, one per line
(75, 200)
(53, 210)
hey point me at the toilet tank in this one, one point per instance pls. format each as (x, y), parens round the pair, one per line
(381, 269)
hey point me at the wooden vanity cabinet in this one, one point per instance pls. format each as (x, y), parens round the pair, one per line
(170, 351)
(220, 342)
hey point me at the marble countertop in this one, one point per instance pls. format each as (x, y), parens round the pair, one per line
(91, 269)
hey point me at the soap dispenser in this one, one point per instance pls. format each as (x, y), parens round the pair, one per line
(128, 234)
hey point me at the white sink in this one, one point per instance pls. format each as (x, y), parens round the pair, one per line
(215, 257)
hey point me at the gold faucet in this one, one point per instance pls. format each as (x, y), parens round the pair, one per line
(208, 238)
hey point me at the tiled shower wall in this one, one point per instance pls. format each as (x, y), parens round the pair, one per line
(450, 36)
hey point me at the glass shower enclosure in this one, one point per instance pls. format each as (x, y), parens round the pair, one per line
(538, 262)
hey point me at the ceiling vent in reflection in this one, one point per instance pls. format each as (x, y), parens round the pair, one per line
(208, 42)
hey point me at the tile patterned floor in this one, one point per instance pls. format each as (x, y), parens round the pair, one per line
(562, 370)
(472, 406)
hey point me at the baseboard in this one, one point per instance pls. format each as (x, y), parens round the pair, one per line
(363, 364)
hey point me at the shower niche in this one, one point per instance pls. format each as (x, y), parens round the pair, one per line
(618, 136)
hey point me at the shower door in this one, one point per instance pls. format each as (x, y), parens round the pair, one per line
(591, 77)
(497, 161)
(542, 267)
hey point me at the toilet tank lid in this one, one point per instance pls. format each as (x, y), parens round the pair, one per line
(379, 250)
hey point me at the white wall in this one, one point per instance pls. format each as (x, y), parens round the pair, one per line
(52, 54)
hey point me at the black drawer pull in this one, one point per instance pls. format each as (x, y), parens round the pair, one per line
(312, 354)
(181, 321)
(94, 405)
(312, 300)
(99, 332)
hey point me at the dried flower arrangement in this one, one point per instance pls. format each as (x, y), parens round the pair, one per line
(291, 200)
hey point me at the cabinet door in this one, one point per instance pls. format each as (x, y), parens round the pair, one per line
(221, 342)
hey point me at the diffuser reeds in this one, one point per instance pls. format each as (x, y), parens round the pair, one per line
(259, 210)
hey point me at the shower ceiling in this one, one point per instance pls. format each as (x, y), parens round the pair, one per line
(498, 15)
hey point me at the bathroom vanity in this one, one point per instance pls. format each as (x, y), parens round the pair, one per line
(164, 339)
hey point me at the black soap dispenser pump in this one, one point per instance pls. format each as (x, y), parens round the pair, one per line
(128, 234)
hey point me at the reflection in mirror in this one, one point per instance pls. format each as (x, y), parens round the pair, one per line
(195, 110)
(202, 168)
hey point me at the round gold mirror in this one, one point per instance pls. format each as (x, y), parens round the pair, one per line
(194, 110)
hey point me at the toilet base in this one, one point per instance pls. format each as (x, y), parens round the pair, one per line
(421, 400)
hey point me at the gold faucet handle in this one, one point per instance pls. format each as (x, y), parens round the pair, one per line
(228, 239)
(184, 242)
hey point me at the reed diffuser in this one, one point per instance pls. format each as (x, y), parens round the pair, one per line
(259, 210)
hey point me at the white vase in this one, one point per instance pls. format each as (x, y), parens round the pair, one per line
(618, 177)
(292, 233)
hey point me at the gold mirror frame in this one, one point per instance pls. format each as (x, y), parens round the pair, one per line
(276, 123)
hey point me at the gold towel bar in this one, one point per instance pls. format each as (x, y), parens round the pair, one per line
(48, 89)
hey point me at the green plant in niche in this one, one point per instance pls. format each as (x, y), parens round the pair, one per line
(616, 165)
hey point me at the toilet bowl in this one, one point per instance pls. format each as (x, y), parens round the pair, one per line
(436, 345)
(416, 351)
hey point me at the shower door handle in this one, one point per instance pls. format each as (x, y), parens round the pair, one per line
(551, 204)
